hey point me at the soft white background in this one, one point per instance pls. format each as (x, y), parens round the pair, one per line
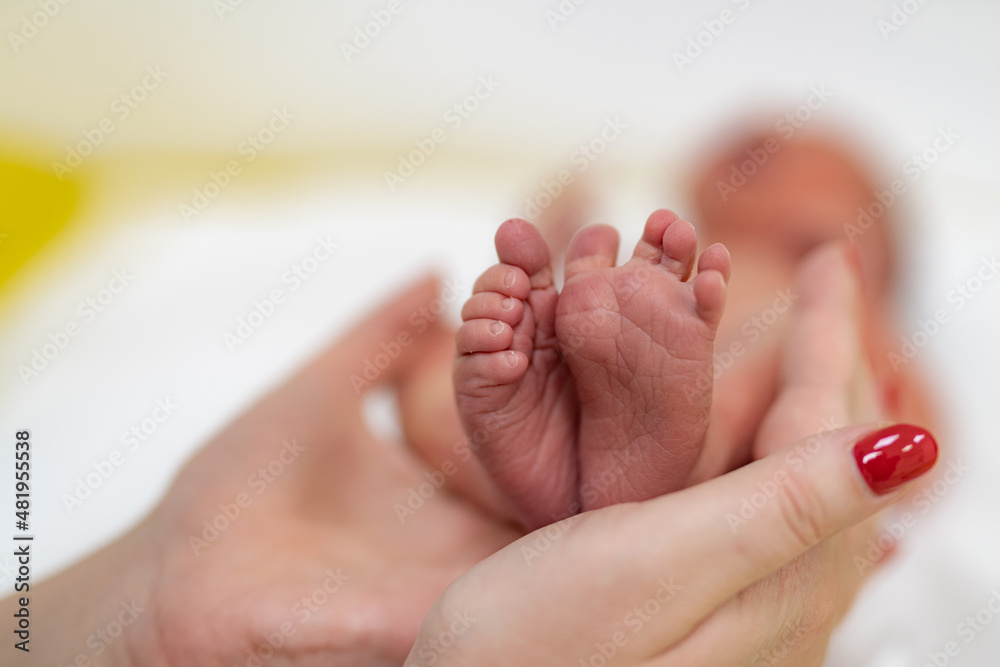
(163, 337)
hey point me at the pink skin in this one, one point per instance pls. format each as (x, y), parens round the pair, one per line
(601, 394)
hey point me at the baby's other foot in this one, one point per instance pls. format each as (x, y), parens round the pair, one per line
(638, 340)
(514, 394)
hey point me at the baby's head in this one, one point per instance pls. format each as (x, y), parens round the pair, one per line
(789, 195)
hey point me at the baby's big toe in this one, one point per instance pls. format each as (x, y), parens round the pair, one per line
(520, 244)
(594, 247)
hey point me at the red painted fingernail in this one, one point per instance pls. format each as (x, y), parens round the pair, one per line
(892, 456)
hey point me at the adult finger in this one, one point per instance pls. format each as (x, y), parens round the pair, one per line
(718, 538)
(822, 368)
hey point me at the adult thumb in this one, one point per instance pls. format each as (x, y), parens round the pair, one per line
(725, 534)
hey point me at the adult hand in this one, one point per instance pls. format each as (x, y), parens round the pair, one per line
(290, 539)
(754, 567)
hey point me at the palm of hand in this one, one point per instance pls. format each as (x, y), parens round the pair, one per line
(317, 567)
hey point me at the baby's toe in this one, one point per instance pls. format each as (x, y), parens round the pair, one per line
(520, 244)
(483, 335)
(716, 258)
(710, 296)
(594, 247)
(493, 306)
(669, 241)
(650, 246)
(475, 372)
(711, 283)
(504, 279)
(679, 245)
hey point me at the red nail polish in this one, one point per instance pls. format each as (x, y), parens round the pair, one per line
(895, 455)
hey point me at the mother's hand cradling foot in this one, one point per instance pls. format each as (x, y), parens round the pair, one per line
(754, 567)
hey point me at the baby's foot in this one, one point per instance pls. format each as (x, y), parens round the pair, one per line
(638, 341)
(514, 393)
(606, 401)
